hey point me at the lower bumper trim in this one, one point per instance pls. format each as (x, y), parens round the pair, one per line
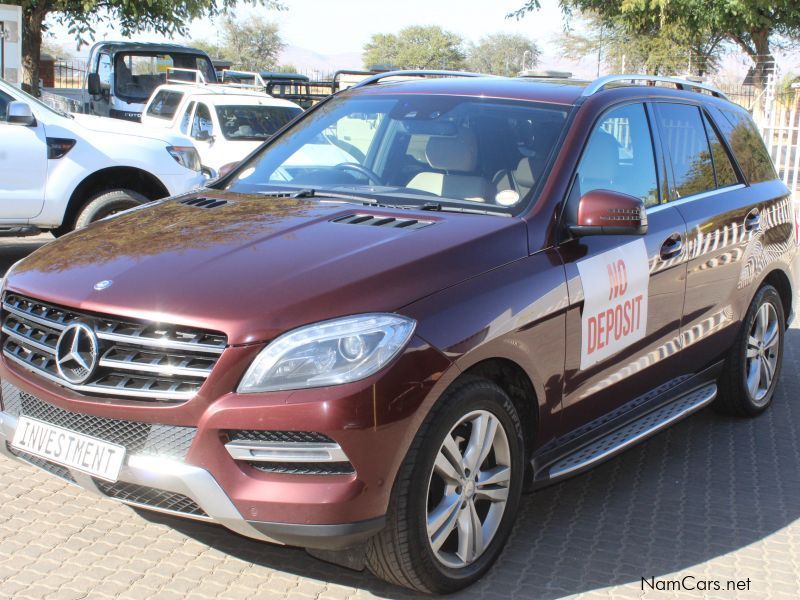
(322, 537)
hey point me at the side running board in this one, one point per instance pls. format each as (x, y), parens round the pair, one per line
(632, 433)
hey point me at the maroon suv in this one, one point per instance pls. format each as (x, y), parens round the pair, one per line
(418, 299)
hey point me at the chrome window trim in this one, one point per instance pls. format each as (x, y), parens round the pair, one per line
(698, 196)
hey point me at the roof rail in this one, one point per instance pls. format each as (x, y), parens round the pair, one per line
(415, 73)
(199, 78)
(258, 81)
(682, 84)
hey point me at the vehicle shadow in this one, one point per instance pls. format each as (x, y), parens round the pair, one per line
(14, 249)
(707, 487)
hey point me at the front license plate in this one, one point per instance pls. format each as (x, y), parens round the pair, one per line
(68, 448)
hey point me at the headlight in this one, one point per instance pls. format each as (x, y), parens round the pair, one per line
(328, 353)
(186, 156)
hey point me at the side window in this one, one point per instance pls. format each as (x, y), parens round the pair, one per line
(619, 156)
(104, 70)
(202, 126)
(187, 116)
(683, 133)
(747, 146)
(4, 100)
(723, 168)
(165, 104)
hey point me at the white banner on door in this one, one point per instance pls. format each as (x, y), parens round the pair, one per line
(615, 286)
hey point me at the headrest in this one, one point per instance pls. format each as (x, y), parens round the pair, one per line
(523, 174)
(456, 153)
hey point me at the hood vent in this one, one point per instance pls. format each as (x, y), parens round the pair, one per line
(204, 202)
(381, 221)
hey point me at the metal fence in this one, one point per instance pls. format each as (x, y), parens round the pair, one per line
(69, 73)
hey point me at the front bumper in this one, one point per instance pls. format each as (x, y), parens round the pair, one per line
(176, 479)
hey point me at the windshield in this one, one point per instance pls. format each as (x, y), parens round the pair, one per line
(138, 74)
(254, 122)
(25, 97)
(475, 152)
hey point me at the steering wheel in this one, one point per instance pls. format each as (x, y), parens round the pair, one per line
(371, 175)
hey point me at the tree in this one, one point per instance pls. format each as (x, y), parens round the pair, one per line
(503, 54)
(755, 26)
(416, 47)
(252, 45)
(165, 17)
(663, 50)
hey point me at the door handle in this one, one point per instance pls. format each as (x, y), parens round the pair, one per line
(672, 246)
(752, 222)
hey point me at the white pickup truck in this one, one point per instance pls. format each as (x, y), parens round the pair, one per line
(60, 172)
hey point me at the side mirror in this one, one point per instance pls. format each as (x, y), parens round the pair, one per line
(204, 136)
(604, 212)
(209, 172)
(93, 84)
(19, 113)
(227, 168)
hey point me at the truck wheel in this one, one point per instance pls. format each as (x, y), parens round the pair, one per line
(106, 204)
(457, 494)
(748, 382)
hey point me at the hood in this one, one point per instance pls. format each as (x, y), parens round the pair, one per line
(120, 127)
(256, 267)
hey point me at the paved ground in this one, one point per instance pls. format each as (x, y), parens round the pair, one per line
(713, 498)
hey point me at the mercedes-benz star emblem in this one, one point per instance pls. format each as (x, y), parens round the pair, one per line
(101, 285)
(77, 353)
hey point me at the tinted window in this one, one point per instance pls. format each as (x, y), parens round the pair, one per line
(748, 146)
(165, 104)
(723, 168)
(619, 156)
(4, 100)
(202, 126)
(253, 122)
(683, 132)
(187, 116)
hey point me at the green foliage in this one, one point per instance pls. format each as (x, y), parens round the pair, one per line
(416, 47)
(252, 45)
(503, 54)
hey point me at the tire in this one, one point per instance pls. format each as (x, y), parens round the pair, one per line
(403, 553)
(106, 204)
(737, 394)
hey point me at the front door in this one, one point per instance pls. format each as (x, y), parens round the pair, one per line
(626, 292)
(23, 167)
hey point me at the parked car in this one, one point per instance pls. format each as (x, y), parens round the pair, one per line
(121, 76)
(516, 280)
(60, 171)
(225, 123)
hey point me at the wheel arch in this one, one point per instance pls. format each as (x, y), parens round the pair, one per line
(112, 178)
(780, 280)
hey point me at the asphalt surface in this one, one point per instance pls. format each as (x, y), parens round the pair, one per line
(712, 499)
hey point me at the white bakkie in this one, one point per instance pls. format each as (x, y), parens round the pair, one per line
(61, 171)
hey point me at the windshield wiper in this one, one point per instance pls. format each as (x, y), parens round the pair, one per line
(312, 193)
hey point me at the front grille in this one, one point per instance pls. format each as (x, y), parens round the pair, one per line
(147, 361)
(339, 468)
(151, 497)
(254, 435)
(138, 438)
(43, 464)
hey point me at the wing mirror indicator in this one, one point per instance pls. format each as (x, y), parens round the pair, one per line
(605, 212)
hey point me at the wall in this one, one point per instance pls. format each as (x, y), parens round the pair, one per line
(11, 19)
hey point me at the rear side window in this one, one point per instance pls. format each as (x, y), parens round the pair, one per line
(165, 104)
(747, 146)
(723, 168)
(619, 156)
(682, 130)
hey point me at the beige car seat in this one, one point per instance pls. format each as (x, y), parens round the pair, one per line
(457, 157)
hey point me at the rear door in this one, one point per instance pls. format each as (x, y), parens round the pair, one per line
(729, 222)
(626, 292)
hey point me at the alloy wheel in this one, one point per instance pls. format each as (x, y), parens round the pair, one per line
(762, 352)
(468, 489)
